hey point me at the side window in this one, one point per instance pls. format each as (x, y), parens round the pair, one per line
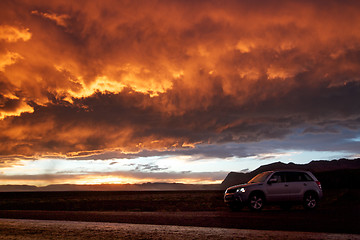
(293, 177)
(278, 177)
(297, 177)
(305, 177)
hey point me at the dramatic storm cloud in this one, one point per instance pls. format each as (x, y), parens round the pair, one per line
(127, 79)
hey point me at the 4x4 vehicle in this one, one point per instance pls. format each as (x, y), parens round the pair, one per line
(283, 187)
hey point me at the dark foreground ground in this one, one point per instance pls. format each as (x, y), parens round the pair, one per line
(49, 229)
(338, 213)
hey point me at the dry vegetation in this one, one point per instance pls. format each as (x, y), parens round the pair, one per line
(114, 201)
(170, 201)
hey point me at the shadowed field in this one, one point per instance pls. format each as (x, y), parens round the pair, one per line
(168, 201)
(114, 201)
(338, 213)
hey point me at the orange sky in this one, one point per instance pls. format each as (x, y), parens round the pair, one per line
(83, 78)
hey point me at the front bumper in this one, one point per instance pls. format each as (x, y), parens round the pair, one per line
(230, 198)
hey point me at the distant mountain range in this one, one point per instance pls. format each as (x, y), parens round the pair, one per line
(111, 187)
(321, 169)
(335, 173)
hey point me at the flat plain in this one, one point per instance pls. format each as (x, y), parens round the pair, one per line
(339, 211)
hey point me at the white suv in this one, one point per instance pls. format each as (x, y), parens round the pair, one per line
(283, 187)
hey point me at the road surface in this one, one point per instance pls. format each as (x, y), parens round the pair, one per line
(50, 229)
(335, 221)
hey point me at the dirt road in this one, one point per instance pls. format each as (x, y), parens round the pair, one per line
(335, 221)
(49, 229)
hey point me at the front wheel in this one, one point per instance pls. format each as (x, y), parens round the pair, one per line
(256, 202)
(310, 201)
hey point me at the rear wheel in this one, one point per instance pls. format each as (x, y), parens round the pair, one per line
(310, 201)
(256, 201)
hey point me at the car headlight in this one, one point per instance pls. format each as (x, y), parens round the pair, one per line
(240, 190)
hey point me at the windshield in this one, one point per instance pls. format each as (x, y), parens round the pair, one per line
(260, 177)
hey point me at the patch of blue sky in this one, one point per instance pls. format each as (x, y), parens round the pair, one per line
(356, 139)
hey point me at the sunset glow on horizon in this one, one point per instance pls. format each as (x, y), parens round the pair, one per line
(96, 92)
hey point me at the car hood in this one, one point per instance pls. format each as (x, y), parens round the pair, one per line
(244, 185)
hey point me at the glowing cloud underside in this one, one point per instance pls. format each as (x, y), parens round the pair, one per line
(119, 78)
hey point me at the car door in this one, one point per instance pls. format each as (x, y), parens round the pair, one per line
(294, 184)
(276, 188)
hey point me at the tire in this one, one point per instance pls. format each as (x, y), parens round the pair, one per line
(310, 201)
(256, 201)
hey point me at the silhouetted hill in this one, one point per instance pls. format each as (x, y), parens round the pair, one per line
(17, 188)
(321, 169)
